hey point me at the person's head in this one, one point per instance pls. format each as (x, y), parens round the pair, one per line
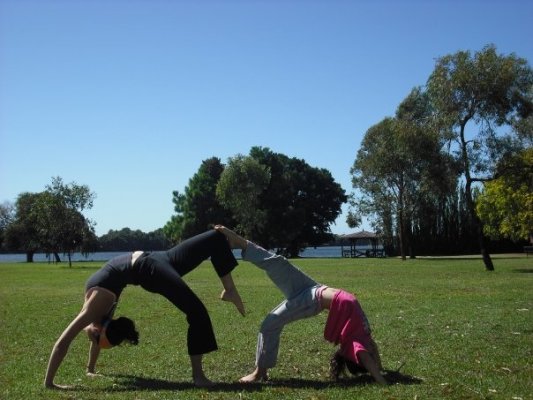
(338, 364)
(115, 331)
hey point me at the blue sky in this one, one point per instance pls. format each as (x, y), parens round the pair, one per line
(128, 97)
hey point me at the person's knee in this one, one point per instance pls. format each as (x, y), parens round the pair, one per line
(197, 313)
(272, 323)
(215, 236)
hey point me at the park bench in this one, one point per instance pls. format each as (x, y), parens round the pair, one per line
(528, 250)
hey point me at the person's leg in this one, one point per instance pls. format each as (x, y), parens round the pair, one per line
(303, 305)
(211, 244)
(165, 281)
(286, 276)
(230, 293)
(298, 288)
(198, 376)
(187, 255)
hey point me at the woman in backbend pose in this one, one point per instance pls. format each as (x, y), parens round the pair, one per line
(346, 324)
(158, 272)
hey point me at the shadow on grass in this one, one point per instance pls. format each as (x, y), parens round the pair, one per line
(82, 267)
(397, 378)
(393, 377)
(524, 270)
(125, 383)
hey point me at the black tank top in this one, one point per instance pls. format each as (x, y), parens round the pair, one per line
(115, 275)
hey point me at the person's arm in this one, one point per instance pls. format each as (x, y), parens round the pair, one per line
(95, 306)
(371, 366)
(94, 352)
(61, 348)
(374, 352)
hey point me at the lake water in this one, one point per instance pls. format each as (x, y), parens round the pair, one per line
(309, 252)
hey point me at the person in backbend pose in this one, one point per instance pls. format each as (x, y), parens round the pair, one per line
(346, 325)
(158, 272)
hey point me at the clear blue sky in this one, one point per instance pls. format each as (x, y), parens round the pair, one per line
(128, 97)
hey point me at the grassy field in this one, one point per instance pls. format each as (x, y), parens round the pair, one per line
(462, 332)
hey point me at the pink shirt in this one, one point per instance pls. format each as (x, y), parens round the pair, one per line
(347, 325)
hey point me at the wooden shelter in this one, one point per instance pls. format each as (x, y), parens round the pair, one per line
(362, 236)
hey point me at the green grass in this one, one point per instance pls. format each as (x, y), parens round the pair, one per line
(462, 332)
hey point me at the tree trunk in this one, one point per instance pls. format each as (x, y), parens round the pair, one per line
(401, 237)
(56, 257)
(29, 256)
(489, 266)
(401, 223)
(410, 241)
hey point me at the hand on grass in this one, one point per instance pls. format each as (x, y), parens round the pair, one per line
(94, 374)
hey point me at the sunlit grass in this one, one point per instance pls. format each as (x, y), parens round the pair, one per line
(461, 333)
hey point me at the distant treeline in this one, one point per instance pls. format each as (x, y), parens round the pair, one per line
(131, 240)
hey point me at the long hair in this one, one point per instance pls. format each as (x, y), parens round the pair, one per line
(122, 329)
(338, 364)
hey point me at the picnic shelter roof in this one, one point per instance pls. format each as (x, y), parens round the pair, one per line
(360, 235)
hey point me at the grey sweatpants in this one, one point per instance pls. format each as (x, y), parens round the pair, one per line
(301, 301)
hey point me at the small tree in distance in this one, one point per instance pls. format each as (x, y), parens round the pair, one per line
(51, 221)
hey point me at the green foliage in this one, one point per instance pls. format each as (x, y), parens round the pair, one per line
(490, 91)
(431, 314)
(400, 169)
(296, 207)
(506, 204)
(76, 197)
(131, 240)
(279, 201)
(239, 189)
(406, 170)
(198, 208)
(7, 215)
(22, 233)
(51, 221)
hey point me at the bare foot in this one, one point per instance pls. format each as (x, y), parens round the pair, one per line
(256, 376)
(61, 387)
(203, 382)
(235, 241)
(233, 297)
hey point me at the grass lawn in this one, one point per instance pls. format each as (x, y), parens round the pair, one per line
(462, 332)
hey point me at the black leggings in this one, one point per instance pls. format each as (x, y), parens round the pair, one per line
(162, 272)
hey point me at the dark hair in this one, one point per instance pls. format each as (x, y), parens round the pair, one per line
(121, 329)
(339, 363)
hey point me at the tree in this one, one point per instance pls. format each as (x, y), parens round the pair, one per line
(239, 190)
(399, 166)
(76, 197)
(67, 229)
(22, 233)
(431, 173)
(506, 204)
(131, 240)
(7, 215)
(490, 91)
(51, 221)
(198, 208)
(295, 208)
